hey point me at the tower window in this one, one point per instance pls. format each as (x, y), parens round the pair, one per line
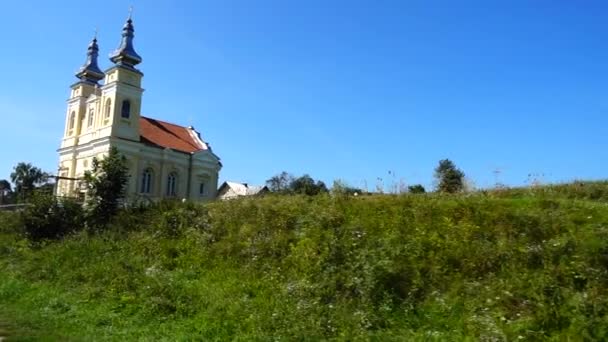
(125, 110)
(71, 123)
(91, 116)
(146, 181)
(201, 189)
(172, 184)
(81, 125)
(107, 111)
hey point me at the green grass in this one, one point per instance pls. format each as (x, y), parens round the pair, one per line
(519, 264)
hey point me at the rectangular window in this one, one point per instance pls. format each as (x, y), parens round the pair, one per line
(91, 116)
(201, 189)
(125, 110)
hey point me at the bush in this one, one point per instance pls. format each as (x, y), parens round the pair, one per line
(416, 189)
(48, 218)
(10, 222)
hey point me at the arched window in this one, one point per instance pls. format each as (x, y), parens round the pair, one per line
(146, 181)
(91, 116)
(71, 122)
(107, 111)
(172, 184)
(125, 110)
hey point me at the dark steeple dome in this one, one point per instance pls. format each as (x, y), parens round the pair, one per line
(125, 55)
(90, 71)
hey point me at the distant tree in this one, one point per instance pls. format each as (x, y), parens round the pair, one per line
(306, 185)
(416, 189)
(342, 188)
(106, 183)
(450, 179)
(5, 190)
(280, 183)
(286, 183)
(26, 177)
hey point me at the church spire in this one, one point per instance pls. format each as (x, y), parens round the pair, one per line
(90, 71)
(125, 54)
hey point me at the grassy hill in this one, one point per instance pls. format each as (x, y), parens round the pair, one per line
(522, 264)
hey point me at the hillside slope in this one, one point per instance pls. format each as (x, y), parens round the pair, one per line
(516, 265)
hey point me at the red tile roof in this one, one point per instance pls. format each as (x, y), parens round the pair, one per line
(164, 134)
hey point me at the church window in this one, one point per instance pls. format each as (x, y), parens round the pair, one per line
(201, 189)
(71, 123)
(79, 128)
(146, 181)
(107, 111)
(91, 116)
(125, 110)
(172, 184)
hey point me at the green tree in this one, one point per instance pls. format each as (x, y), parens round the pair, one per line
(306, 185)
(450, 179)
(280, 183)
(26, 177)
(106, 186)
(416, 189)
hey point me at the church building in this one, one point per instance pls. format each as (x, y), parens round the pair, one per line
(165, 160)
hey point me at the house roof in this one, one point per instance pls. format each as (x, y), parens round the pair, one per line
(167, 135)
(254, 190)
(243, 189)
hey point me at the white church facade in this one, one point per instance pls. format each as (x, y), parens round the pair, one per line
(165, 160)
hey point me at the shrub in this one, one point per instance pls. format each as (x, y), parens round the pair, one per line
(10, 222)
(48, 218)
(416, 189)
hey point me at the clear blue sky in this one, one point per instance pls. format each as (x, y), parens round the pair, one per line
(336, 89)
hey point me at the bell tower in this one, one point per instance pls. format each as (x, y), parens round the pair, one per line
(80, 123)
(82, 91)
(121, 92)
